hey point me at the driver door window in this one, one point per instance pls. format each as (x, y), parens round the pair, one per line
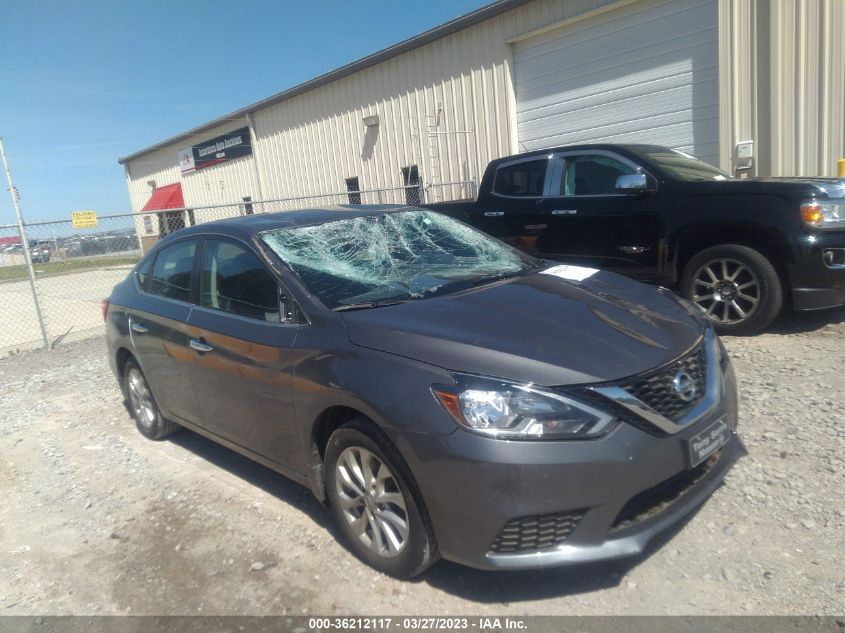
(592, 175)
(235, 280)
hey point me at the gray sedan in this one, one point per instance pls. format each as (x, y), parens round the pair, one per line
(443, 393)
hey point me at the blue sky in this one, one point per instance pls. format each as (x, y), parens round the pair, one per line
(83, 83)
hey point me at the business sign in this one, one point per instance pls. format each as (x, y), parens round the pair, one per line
(186, 159)
(217, 150)
(83, 219)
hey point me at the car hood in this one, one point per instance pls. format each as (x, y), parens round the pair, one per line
(542, 328)
(802, 187)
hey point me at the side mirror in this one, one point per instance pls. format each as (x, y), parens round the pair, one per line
(632, 184)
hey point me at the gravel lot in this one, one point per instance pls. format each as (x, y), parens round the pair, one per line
(96, 520)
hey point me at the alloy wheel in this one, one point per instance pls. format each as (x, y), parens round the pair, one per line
(141, 398)
(726, 290)
(371, 502)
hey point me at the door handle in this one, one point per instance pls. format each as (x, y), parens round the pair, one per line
(493, 214)
(634, 250)
(138, 328)
(198, 345)
(565, 212)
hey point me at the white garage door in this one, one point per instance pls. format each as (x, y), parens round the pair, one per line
(644, 73)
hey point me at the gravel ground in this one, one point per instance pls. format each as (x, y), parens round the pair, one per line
(95, 519)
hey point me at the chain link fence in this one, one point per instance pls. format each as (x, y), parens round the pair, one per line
(73, 269)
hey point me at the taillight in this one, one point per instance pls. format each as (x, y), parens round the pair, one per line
(104, 306)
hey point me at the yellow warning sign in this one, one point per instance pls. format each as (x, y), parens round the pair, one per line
(83, 219)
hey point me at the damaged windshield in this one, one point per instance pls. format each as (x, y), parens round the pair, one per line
(378, 259)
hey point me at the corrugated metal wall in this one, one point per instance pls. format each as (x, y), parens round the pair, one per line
(311, 143)
(425, 100)
(223, 183)
(783, 84)
(781, 70)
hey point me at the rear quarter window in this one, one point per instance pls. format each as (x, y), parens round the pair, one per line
(142, 273)
(171, 272)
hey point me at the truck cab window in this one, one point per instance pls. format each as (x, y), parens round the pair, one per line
(525, 178)
(592, 175)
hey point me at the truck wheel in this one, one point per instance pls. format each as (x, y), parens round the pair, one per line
(736, 287)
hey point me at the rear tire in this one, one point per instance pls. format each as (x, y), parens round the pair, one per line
(736, 287)
(376, 502)
(142, 405)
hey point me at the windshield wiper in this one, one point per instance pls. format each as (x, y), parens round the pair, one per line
(366, 305)
(493, 278)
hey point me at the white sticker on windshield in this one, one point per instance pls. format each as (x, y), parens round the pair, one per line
(573, 273)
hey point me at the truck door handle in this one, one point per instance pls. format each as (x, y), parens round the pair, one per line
(138, 327)
(493, 214)
(199, 345)
(565, 212)
(634, 250)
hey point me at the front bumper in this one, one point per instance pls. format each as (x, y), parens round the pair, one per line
(816, 285)
(476, 488)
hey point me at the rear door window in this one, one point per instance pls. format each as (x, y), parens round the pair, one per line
(236, 281)
(523, 179)
(171, 274)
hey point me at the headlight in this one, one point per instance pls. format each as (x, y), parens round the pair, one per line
(519, 411)
(821, 214)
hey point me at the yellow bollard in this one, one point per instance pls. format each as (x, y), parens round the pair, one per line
(841, 164)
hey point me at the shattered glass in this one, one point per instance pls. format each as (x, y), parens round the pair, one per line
(392, 257)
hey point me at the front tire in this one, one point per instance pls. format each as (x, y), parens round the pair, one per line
(376, 503)
(142, 404)
(737, 287)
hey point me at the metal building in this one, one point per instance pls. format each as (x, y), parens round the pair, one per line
(755, 86)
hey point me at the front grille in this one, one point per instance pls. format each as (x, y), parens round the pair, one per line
(533, 533)
(658, 499)
(658, 391)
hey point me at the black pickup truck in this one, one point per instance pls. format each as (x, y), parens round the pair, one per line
(740, 249)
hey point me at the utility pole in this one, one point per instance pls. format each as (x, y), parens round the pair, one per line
(25, 245)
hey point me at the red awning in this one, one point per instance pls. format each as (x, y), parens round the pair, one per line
(167, 197)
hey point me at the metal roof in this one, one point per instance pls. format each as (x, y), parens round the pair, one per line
(416, 41)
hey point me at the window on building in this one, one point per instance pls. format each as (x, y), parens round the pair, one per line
(248, 209)
(525, 178)
(235, 280)
(170, 221)
(353, 186)
(171, 276)
(411, 181)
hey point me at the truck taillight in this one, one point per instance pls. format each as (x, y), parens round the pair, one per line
(104, 306)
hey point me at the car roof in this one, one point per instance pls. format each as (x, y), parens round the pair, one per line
(246, 226)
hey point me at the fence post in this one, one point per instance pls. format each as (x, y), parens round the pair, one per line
(25, 246)
(421, 190)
